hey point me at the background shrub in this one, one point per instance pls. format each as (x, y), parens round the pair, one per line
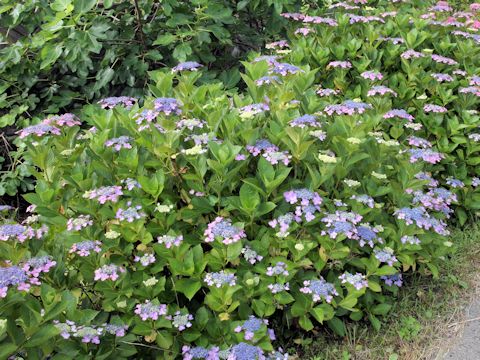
(209, 221)
(63, 54)
(430, 64)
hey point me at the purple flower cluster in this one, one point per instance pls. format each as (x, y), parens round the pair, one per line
(277, 287)
(358, 280)
(339, 64)
(276, 157)
(130, 214)
(111, 102)
(303, 31)
(104, 194)
(422, 219)
(145, 118)
(181, 321)
(244, 351)
(108, 272)
(367, 234)
(474, 81)
(267, 80)
(131, 184)
(253, 109)
(13, 276)
(269, 152)
(385, 256)
(364, 199)
(67, 120)
(270, 59)
(443, 60)
(308, 203)
(305, 121)
(280, 268)
(283, 221)
(409, 239)
(391, 280)
(327, 92)
(284, 69)
(455, 183)
(435, 199)
(38, 130)
(347, 108)
(428, 177)
(169, 240)
(80, 222)
(427, 155)
(187, 66)
(419, 142)
(398, 113)
(223, 229)
(167, 106)
(434, 108)
(319, 20)
(475, 90)
(35, 266)
(341, 222)
(145, 259)
(250, 327)
(381, 90)
(17, 232)
(277, 45)
(149, 310)
(409, 54)
(85, 248)
(219, 279)
(320, 290)
(122, 142)
(191, 124)
(251, 255)
(442, 77)
(372, 75)
(89, 334)
(199, 352)
(364, 19)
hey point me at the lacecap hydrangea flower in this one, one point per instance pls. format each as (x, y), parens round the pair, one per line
(223, 230)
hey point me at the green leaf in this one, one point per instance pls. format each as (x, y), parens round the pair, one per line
(381, 309)
(45, 333)
(164, 339)
(349, 302)
(182, 51)
(83, 6)
(249, 197)
(374, 321)
(49, 54)
(188, 287)
(165, 39)
(305, 323)
(62, 6)
(318, 314)
(337, 326)
(7, 349)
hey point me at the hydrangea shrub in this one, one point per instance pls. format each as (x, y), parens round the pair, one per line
(201, 223)
(416, 61)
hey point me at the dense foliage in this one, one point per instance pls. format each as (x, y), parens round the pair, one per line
(205, 223)
(67, 52)
(423, 65)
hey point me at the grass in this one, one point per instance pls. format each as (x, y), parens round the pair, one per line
(424, 320)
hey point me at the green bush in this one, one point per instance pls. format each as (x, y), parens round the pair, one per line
(66, 53)
(444, 48)
(240, 215)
